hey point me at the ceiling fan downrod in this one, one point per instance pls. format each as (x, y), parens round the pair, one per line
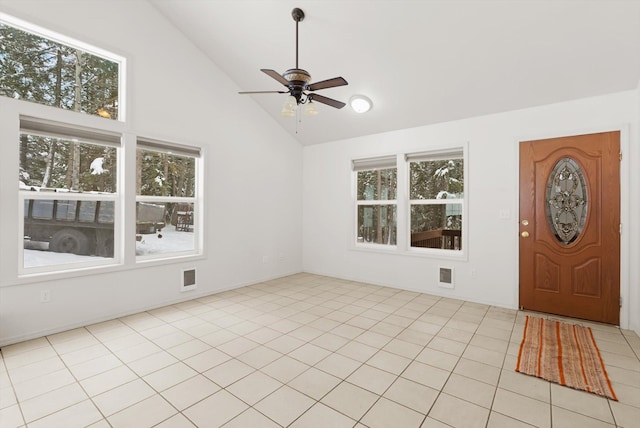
(297, 77)
(298, 15)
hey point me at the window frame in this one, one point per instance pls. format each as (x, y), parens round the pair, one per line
(434, 155)
(124, 199)
(77, 132)
(403, 208)
(11, 220)
(195, 152)
(373, 164)
(60, 38)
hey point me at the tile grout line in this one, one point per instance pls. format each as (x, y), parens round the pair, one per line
(18, 402)
(342, 294)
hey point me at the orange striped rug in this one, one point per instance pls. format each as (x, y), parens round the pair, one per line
(563, 353)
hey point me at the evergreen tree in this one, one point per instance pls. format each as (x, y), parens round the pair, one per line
(441, 179)
(33, 68)
(377, 224)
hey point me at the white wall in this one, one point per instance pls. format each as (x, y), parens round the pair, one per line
(634, 230)
(253, 184)
(492, 185)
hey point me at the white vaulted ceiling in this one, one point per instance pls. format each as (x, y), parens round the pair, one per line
(421, 62)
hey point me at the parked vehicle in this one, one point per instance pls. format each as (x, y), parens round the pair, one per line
(83, 227)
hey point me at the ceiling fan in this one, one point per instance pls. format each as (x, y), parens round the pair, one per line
(298, 83)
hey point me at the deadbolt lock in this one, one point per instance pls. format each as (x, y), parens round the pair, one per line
(525, 222)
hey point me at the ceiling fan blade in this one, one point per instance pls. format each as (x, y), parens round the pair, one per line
(275, 75)
(328, 101)
(329, 83)
(264, 92)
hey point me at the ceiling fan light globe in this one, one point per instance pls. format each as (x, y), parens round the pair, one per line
(289, 107)
(291, 102)
(310, 109)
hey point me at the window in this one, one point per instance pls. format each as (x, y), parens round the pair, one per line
(436, 199)
(69, 191)
(414, 207)
(376, 205)
(69, 75)
(75, 200)
(166, 201)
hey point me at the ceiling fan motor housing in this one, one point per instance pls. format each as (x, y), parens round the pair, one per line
(297, 76)
(298, 81)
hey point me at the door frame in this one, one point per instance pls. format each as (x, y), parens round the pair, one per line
(625, 207)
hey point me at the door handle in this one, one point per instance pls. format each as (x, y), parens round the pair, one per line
(525, 234)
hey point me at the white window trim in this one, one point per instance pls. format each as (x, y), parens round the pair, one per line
(438, 154)
(11, 220)
(196, 152)
(43, 125)
(85, 47)
(12, 260)
(403, 229)
(367, 164)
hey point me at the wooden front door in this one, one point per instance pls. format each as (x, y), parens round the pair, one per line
(570, 226)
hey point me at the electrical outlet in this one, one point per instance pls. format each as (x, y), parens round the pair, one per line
(45, 296)
(265, 259)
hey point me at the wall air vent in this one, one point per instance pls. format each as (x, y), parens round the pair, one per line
(445, 277)
(188, 279)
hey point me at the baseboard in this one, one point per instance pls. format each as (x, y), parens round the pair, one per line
(190, 295)
(431, 292)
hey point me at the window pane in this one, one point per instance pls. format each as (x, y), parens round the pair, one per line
(437, 226)
(47, 162)
(65, 238)
(42, 210)
(87, 211)
(106, 213)
(164, 174)
(37, 69)
(377, 224)
(437, 179)
(377, 185)
(66, 210)
(164, 227)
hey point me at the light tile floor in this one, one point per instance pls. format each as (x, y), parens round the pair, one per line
(306, 351)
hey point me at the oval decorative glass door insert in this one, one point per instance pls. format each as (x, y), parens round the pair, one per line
(566, 201)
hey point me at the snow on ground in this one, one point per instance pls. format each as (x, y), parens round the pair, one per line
(172, 241)
(36, 254)
(36, 258)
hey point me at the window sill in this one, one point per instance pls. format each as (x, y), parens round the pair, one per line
(86, 271)
(427, 253)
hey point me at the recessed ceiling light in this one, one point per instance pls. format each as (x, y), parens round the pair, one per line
(360, 103)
